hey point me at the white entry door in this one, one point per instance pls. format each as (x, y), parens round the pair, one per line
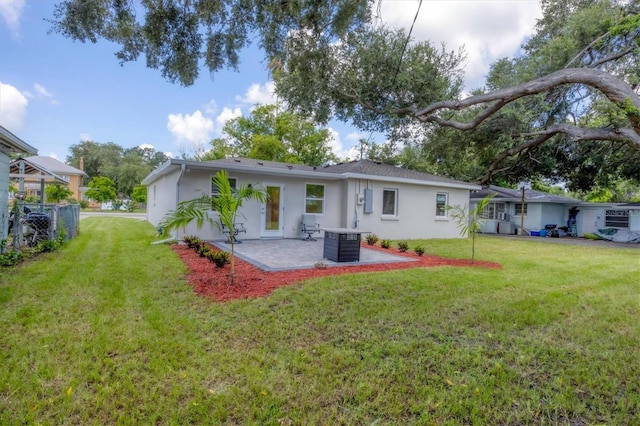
(272, 214)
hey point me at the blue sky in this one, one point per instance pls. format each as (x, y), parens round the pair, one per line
(55, 92)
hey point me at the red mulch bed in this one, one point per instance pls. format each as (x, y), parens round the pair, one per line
(252, 282)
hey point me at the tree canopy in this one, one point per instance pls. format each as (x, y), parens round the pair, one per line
(566, 109)
(125, 167)
(101, 189)
(178, 37)
(269, 134)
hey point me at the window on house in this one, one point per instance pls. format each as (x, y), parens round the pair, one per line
(441, 204)
(390, 202)
(519, 209)
(214, 188)
(494, 211)
(314, 199)
(616, 218)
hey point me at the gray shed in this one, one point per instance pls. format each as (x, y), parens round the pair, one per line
(9, 143)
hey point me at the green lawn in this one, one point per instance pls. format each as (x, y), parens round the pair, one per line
(107, 331)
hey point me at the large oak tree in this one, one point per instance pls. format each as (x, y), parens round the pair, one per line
(575, 85)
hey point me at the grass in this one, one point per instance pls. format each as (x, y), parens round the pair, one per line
(107, 331)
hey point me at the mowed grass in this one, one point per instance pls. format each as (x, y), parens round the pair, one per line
(107, 331)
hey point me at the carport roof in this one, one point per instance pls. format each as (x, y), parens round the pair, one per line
(14, 143)
(32, 171)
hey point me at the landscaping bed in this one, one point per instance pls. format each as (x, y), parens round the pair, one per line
(251, 282)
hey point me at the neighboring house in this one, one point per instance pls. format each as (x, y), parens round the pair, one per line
(30, 178)
(9, 143)
(594, 217)
(388, 201)
(504, 213)
(72, 176)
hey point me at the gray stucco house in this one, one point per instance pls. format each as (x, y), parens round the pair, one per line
(388, 201)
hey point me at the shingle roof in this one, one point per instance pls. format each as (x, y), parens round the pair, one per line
(55, 166)
(530, 195)
(373, 168)
(258, 164)
(363, 169)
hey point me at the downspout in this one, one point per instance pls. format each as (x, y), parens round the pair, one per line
(183, 169)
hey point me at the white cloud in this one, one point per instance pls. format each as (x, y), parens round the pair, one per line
(146, 146)
(13, 107)
(489, 30)
(54, 155)
(211, 108)
(338, 148)
(42, 91)
(193, 129)
(85, 137)
(11, 11)
(259, 94)
(226, 115)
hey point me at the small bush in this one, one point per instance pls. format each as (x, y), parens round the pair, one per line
(11, 258)
(385, 244)
(372, 239)
(47, 246)
(320, 265)
(403, 246)
(190, 240)
(84, 204)
(204, 250)
(218, 258)
(419, 250)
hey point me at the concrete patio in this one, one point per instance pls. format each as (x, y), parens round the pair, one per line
(288, 254)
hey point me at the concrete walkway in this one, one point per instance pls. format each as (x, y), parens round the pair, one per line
(288, 254)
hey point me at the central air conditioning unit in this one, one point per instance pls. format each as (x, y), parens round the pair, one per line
(503, 216)
(360, 199)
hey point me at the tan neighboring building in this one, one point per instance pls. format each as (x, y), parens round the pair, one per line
(74, 177)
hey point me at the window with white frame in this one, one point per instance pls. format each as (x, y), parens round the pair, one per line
(519, 209)
(442, 199)
(390, 202)
(494, 211)
(314, 199)
(214, 188)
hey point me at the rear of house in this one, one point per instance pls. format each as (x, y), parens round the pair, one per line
(389, 201)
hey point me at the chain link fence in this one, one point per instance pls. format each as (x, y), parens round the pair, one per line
(31, 224)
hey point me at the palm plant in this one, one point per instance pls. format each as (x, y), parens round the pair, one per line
(470, 220)
(226, 204)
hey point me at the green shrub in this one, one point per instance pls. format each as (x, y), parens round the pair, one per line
(372, 239)
(403, 246)
(419, 250)
(218, 257)
(385, 244)
(204, 250)
(11, 258)
(84, 204)
(191, 241)
(47, 246)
